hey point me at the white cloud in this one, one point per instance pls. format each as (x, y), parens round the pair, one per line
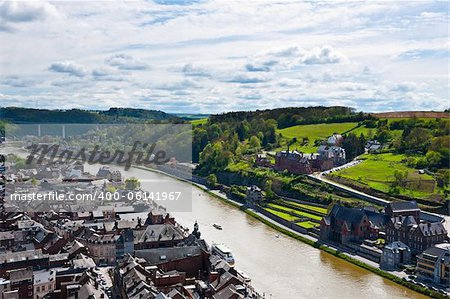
(195, 71)
(126, 62)
(68, 67)
(13, 13)
(323, 55)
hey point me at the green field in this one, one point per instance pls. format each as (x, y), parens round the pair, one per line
(377, 172)
(368, 132)
(200, 121)
(313, 132)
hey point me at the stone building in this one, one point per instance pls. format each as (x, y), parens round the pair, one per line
(403, 208)
(395, 254)
(433, 265)
(406, 226)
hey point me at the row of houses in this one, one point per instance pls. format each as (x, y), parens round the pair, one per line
(400, 226)
(64, 253)
(329, 155)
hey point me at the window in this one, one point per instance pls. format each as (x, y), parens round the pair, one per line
(38, 289)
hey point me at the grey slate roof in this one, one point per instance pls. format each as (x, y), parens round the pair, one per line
(401, 206)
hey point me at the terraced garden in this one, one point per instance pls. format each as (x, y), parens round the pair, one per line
(306, 216)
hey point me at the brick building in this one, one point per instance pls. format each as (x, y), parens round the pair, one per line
(292, 161)
(344, 225)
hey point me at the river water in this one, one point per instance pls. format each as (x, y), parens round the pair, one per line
(279, 267)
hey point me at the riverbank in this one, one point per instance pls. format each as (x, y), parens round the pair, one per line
(309, 240)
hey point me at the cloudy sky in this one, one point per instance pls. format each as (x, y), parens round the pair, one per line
(215, 56)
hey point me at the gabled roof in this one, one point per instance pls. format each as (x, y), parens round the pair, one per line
(432, 229)
(396, 247)
(403, 206)
(407, 221)
(159, 232)
(351, 216)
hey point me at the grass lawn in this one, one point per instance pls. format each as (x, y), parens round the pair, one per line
(307, 224)
(285, 216)
(297, 212)
(200, 121)
(313, 132)
(308, 207)
(377, 171)
(368, 132)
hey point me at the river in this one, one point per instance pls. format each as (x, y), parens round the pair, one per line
(279, 267)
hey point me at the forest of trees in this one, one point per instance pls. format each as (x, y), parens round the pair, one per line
(292, 116)
(113, 115)
(216, 145)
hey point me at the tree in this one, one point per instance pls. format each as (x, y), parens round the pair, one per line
(353, 145)
(34, 182)
(254, 142)
(433, 159)
(242, 130)
(400, 179)
(417, 140)
(443, 178)
(212, 180)
(132, 183)
(214, 158)
(268, 190)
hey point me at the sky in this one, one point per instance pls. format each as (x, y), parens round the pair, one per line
(199, 56)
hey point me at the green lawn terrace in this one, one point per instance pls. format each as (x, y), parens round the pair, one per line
(289, 217)
(304, 215)
(377, 171)
(294, 212)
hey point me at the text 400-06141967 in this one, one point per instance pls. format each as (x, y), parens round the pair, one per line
(144, 196)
